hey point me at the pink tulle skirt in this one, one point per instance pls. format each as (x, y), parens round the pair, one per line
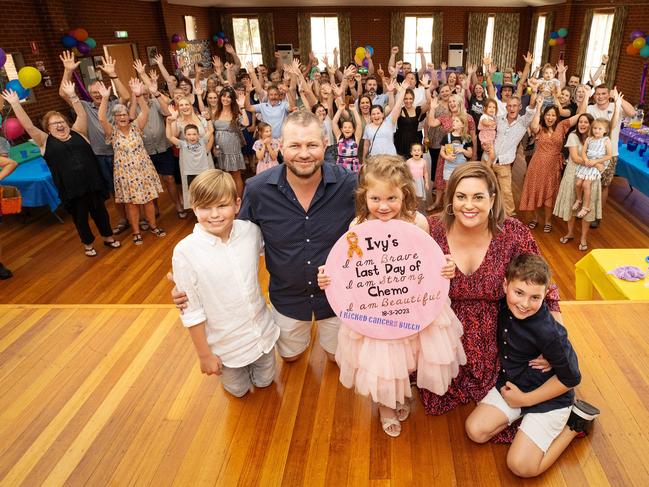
(381, 368)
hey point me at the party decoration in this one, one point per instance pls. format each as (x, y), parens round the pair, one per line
(221, 35)
(358, 60)
(12, 128)
(632, 50)
(83, 48)
(226, 40)
(91, 42)
(644, 52)
(643, 82)
(220, 42)
(386, 279)
(76, 52)
(563, 32)
(360, 52)
(68, 41)
(552, 42)
(174, 46)
(560, 41)
(182, 45)
(3, 57)
(366, 63)
(29, 77)
(370, 49)
(175, 38)
(554, 35)
(639, 42)
(79, 34)
(81, 87)
(14, 85)
(635, 34)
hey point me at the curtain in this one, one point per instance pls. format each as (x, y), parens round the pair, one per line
(549, 21)
(615, 44)
(505, 43)
(583, 42)
(397, 24)
(436, 47)
(476, 35)
(267, 38)
(304, 35)
(535, 24)
(226, 27)
(344, 39)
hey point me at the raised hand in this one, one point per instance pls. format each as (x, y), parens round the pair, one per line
(605, 58)
(157, 59)
(528, 58)
(395, 50)
(398, 65)
(241, 100)
(250, 67)
(425, 81)
(380, 73)
(388, 84)
(68, 89)
(295, 65)
(103, 90)
(228, 66)
(108, 66)
(136, 86)
(487, 60)
(139, 67)
(471, 68)
(561, 67)
(198, 87)
(420, 50)
(393, 71)
(173, 113)
(10, 96)
(434, 103)
(325, 60)
(67, 58)
(229, 49)
(153, 76)
(185, 71)
(443, 66)
(218, 64)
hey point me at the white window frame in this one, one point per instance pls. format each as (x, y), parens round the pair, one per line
(250, 54)
(489, 36)
(329, 42)
(539, 42)
(410, 54)
(599, 42)
(11, 69)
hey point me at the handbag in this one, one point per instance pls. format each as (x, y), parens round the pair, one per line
(10, 200)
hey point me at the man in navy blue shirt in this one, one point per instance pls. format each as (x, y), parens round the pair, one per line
(302, 207)
(544, 399)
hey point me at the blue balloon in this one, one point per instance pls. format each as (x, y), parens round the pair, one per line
(14, 85)
(68, 41)
(370, 49)
(221, 35)
(554, 35)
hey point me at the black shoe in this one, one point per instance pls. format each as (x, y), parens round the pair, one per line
(582, 417)
(4, 272)
(595, 223)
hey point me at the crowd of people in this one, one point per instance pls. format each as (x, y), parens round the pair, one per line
(331, 149)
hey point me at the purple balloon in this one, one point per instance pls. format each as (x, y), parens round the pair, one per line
(83, 48)
(175, 38)
(366, 63)
(3, 57)
(635, 34)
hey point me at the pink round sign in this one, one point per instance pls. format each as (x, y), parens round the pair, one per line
(386, 279)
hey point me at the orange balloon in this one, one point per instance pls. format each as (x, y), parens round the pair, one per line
(631, 50)
(79, 34)
(174, 47)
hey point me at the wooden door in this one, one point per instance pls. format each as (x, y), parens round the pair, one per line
(124, 57)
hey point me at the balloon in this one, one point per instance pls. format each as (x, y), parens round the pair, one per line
(3, 57)
(215, 37)
(554, 35)
(358, 60)
(560, 41)
(552, 42)
(360, 52)
(83, 48)
(644, 52)
(0, 120)
(15, 85)
(76, 52)
(68, 41)
(221, 35)
(12, 128)
(91, 42)
(366, 63)
(29, 77)
(79, 34)
(220, 42)
(563, 32)
(370, 49)
(174, 46)
(632, 50)
(226, 40)
(175, 38)
(635, 34)
(639, 42)
(182, 45)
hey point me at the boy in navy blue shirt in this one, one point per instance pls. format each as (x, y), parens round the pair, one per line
(545, 399)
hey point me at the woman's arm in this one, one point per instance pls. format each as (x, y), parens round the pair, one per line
(576, 155)
(170, 80)
(103, 109)
(334, 122)
(169, 131)
(69, 65)
(535, 123)
(398, 103)
(81, 123)
(584, 156)
(137, 88)
(7, 166)
(35, 133)
(432, 119)
(358, 134)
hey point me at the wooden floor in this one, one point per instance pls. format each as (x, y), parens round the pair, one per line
(112, 395)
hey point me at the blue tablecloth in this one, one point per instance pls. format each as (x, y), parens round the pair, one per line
(632, 167)
(34, 180)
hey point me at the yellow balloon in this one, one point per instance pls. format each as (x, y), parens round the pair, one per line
(639, 42)
(182, 45)
(29, 77)
(553, 42)
(360, 52)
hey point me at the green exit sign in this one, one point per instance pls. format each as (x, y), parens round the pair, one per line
(121, 34)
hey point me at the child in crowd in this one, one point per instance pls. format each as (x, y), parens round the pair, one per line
(597, 152)
(527, 329)
(266, 148)
(377, 367)
(488, 154)
(229, 322)
(195, 154)
(419, 170)
(458, 148)
(548, 86)
(487, 123)
(348, 133)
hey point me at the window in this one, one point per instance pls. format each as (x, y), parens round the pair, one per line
(598, 43)
(324, 37)
(417, 32)
(190, 28)
(539, 41)
(246, 39)
(10, 70)
(489, 36)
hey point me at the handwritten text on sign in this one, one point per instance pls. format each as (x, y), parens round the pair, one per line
(386, 279)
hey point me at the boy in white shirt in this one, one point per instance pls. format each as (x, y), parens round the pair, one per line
(217, 267)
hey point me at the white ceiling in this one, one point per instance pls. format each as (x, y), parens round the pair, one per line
(348, 3)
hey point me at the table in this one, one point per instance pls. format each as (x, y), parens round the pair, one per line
(592, 271)
(34, 181)
(634, 168)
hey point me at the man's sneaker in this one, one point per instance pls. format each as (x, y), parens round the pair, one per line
(4, 272)
(581, 417)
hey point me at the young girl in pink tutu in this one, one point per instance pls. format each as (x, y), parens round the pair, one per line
(381, 368)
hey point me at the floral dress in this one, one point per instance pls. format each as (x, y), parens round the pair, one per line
(474, 299)
(266, 162)
(348, 154)
(136, 180)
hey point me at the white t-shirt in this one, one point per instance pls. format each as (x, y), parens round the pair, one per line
(194, 158)
(607, 113)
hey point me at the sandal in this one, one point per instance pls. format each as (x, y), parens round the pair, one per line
(403, 410)
(113, 244)
(158, 232)
(387, 423)
(583, 247)
(583, 212)
(566, 239)
(144, 225)
(547, 228)
(90, 252)
(121, 226)
(577, 205)
(137, 239)
(533, 224)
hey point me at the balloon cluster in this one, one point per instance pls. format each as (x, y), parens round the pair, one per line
(79, 41)
(558, 37)
(639, 44)
(220, 39)
(28, 77)
(359, 56)
(12, 128)
(177, 42)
